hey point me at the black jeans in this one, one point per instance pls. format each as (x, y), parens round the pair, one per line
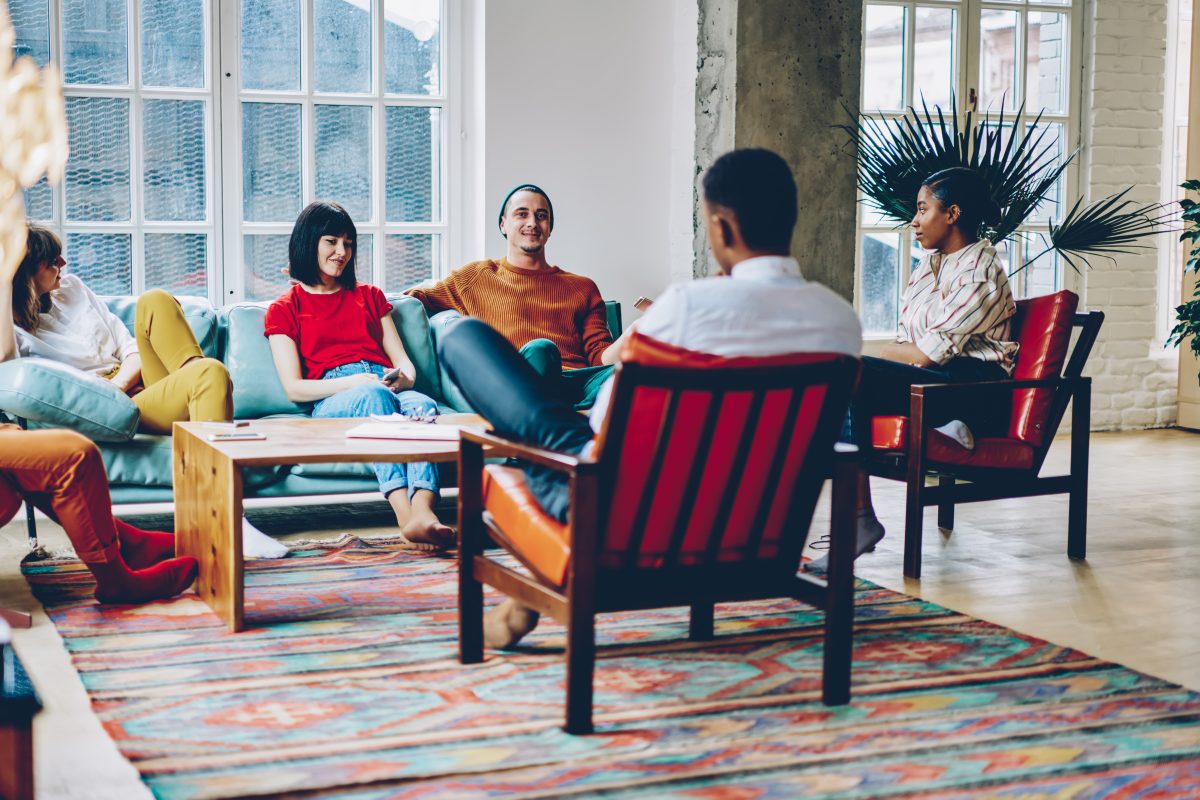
(883, 390)
(499, 383)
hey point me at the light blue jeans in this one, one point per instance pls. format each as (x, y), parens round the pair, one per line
(368, 399)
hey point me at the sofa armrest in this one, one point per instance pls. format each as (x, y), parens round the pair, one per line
(439, 323)
(54, 395)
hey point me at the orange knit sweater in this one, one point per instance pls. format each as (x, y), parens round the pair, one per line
(525, 304)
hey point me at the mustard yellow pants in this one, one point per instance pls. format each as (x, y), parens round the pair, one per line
(181, 384)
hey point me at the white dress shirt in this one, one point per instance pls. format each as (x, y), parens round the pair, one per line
(764, 308)
(78, 330)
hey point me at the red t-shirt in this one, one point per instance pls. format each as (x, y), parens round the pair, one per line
(331, 329)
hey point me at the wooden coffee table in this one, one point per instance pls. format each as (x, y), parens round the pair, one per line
(208, 486)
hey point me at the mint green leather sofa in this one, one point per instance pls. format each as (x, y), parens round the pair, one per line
(48, 394)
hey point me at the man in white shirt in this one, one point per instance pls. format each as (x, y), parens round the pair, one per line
(764, 308)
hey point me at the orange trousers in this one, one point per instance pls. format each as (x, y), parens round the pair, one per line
(62, 473)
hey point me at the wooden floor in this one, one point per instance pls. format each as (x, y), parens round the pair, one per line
(1136, 600)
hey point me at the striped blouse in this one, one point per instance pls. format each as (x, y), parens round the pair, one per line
(960, 305)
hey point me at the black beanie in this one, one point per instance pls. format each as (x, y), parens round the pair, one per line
(524, 187)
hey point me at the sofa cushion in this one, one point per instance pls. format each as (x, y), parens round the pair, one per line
(50, 394)
(439, 323)
(147, 460)
(257, 391)
(413, 325)
(198, 312)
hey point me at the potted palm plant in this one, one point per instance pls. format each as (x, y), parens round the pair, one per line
(1187, 315)
(1018, 157)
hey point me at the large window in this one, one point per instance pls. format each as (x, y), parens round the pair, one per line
(990, 56)
(198, 130)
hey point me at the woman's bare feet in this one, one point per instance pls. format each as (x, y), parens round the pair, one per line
(420, 528)
(507, 624)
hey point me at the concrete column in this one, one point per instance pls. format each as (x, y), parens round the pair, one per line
(794, 67)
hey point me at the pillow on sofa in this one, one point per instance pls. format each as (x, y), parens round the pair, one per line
(54, 395)
(257, 391)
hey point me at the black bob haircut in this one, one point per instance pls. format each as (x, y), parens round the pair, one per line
(757, 186)
(524, 187)
(316, 220)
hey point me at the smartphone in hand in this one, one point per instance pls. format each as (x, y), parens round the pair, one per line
(642, 303)
(392, 375)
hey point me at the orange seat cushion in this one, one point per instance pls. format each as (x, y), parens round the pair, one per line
(537, 538)
(891, 433)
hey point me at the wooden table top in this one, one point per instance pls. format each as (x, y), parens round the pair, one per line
(301, 440)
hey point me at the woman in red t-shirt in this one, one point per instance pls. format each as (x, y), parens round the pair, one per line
(333, 341)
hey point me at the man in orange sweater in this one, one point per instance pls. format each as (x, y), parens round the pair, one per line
(555, 318)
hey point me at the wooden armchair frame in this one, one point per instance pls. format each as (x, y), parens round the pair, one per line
(592, 587)
(963, 483)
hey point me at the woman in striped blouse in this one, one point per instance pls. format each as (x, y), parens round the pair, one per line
(954, 324)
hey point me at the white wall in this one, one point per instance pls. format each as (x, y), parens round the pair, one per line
(594, 102)
(1134, 378)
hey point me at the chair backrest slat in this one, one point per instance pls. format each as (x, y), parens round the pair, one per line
(706, 465)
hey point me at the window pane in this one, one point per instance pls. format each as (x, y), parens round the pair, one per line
(101, 260)
(265, 258)
(1012, 254)
(1042, 276)
(172, 43)
(343, 157)
(39, 201)
(271, 44)
(413, 173)
(173, 159)
(270, 162)
(1051, 206)
(998, 60)
(31, 21)
(883, 58)
(933, 56)
(411, 46)
(342, 46)
(880, 283)
(408, 260)
(1046, 77)
(364, 258)
(177, 262)
(95, 43)
(97, 177)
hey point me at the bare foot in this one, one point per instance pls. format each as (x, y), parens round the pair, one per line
(424, 531)
(507, 623)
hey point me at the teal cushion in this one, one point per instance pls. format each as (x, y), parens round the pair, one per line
(438, 325)
(146, 460)
(54, 395)
(413, 325)
(198, 312)
(257, 391)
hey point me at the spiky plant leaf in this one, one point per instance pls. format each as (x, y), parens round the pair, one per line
(1109, 226)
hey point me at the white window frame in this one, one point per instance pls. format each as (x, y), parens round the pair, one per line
(967, 63)
(225, 268)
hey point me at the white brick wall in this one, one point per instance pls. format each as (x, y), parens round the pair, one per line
(1134, 377)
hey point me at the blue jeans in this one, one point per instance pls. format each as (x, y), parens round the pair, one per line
(368, 399)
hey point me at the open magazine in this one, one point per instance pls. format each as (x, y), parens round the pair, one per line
(398, 426)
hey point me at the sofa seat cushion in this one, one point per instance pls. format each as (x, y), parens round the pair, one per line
(891, 434)
(147, 460)
(340, 469)
(50, 394)
(540, 541)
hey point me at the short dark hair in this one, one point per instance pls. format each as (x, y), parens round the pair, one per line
(524, 187)
(965, 188)
(757, 186)
(316, 220)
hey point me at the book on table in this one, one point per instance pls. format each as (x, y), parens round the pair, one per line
(403, 428)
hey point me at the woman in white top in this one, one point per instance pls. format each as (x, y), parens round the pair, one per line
(161, 366)
(955, 324)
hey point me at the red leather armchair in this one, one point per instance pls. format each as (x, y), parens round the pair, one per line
(701, 490)
(906, 449)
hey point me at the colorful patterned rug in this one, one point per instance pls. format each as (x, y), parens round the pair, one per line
(347, 685)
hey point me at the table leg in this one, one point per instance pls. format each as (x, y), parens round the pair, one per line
(208, 523)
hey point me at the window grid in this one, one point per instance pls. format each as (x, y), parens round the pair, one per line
(224, 231)
(879, 300)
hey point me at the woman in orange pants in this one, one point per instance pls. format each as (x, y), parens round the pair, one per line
(62, 473)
